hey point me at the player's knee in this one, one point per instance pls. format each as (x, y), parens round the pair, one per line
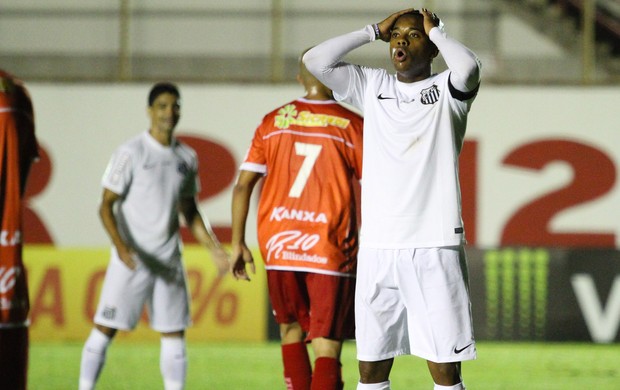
(375, 372)
(324, 347)
(109, 332)
(445, 373)
(291, 333)
(177, 334)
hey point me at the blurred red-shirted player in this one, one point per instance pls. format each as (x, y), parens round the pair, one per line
(309, 152)
(18, 149)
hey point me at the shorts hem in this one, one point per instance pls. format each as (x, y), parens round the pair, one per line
(376, 358)
(445, 359)
(171, 329)
(113, 325)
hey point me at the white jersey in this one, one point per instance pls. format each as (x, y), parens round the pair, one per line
(413, 133)
(151, 179)
(409, 145)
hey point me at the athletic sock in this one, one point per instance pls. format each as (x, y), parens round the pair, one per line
(173, 362)
(93, 358)
(373, 386)
(458, 386)
(297, 368)
(327, 374)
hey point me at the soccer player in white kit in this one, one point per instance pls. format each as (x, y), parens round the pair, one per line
(149, 180)
(412, 289)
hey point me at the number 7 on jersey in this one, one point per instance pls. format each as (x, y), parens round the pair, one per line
(311, 153)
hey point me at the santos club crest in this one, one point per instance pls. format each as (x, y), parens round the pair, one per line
(429, 95)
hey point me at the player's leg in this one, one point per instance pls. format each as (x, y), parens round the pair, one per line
(120, 306)
(295, 357)
(438, 294)
(327, 372)
(380, 317)
(169, 313)
(14, 357)
(332, 320)
(93, 355)
(447, 376)
(375, 375)
(290, 307)
(173, 360)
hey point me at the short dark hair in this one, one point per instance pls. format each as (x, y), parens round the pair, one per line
(163, 87)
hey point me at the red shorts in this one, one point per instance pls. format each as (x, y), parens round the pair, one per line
(330, 299)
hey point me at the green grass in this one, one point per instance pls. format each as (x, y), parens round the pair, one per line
(500, 366)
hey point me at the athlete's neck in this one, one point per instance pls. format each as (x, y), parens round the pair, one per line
(163, 137)
(315, 92)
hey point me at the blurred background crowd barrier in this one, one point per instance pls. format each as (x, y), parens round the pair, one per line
(258, 41)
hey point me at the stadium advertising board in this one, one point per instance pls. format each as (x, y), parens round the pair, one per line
(545, 294)
(539, 170)
(65, 285)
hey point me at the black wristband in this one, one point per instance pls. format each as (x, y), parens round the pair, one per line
(377, 32)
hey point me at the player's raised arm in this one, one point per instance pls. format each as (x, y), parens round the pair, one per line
(464, 65)
(324, 60)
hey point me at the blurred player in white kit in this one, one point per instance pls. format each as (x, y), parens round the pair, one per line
(149, 181)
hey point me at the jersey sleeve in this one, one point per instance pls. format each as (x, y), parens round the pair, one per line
(324, 61)
(464, 65)
(118, 173)
(255, 159)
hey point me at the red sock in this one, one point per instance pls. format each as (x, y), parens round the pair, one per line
(327, 374)
(297, 369)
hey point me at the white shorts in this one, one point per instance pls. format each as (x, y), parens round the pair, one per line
(413, 302)
(125, 293)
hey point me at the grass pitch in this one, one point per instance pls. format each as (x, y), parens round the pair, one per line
(500, 366)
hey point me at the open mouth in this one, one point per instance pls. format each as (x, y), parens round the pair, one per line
(399, 54)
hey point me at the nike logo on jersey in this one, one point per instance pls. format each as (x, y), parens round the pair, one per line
(457, 351)
(381, 97)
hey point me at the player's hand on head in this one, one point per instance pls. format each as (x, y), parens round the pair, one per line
(385, 26)
(430, 20)
(242, 257)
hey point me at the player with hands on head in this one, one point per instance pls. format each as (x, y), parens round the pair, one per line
(309, 154)
(150, 182)
(412, 292)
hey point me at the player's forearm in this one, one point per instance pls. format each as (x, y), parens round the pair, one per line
(240, 210)
(464, 65)
(108, 221)
(323, 60)
(202, 232)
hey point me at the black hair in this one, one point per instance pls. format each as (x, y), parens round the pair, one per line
(163, 87)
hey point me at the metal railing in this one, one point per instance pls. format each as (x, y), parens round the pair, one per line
(123, 51)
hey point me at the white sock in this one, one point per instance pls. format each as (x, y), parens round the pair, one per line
(93, 358)
(458, 386)
(173, 362)
(373, 386)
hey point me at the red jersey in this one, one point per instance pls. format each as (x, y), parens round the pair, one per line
(18, 148)
(311, 154)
